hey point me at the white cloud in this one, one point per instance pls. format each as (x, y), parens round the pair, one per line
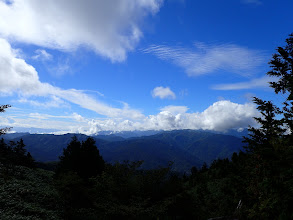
(42, 55)
(163, 93)
(110, 28)
(18, 76)
(254, 83)
(204, 59)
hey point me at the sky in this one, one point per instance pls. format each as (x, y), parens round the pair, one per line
(87, 66)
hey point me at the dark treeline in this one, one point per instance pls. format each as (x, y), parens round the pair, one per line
(256, 183)
(15, 153)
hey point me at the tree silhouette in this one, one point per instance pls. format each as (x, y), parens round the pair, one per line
(270, 146)
(82, 158)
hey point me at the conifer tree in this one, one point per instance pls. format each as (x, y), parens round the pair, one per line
(81, 158)
(270, 129)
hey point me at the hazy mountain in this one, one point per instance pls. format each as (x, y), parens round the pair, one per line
(186, 148)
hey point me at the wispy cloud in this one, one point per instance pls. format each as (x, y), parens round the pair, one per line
(53, 102)
(42, 55)
(205, 59)
(252, 84)
(163, 93)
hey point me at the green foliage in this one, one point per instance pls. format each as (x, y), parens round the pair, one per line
(27, 194)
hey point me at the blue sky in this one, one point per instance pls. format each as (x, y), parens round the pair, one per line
(90, 66)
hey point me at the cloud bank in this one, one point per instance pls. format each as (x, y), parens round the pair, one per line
(220, 116)
(110, 28)
(206, 59)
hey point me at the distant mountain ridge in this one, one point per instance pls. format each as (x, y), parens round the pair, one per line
(186, 148)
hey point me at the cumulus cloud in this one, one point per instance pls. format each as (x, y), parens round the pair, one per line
(220, 116)
(223, 115)
(163, 93)
(18, 76)
(252, 84)
(110, 28)
(205, 59)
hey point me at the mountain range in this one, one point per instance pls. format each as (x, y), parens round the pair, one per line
(185, 148)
